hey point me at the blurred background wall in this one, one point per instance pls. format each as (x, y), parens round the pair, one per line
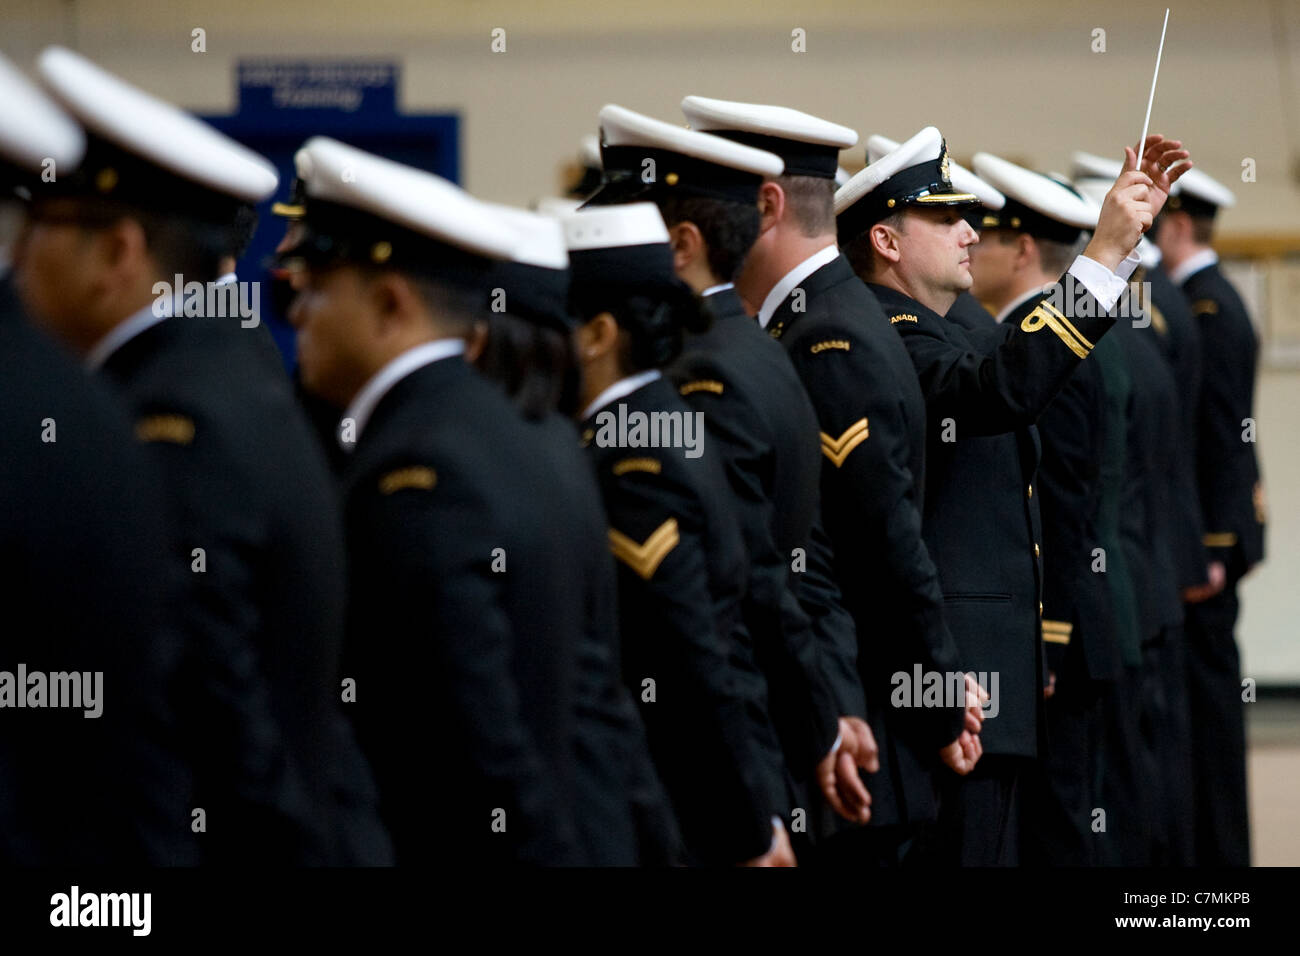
(1021, 78)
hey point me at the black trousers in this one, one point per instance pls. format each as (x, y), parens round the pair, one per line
(1126, 770)
(1217, 717)
(1060, 797)
(1167, 727)
(979, 814)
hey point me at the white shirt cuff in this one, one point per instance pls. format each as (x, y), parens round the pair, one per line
(777, 828)
(1105, 286)
(839, 739)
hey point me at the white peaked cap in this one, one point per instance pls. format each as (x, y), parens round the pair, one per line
(153, 129)
(963, 180)
(589, 151)
(556, 206)
(541, 238)
(609, 227)
(1040, 193)
(926, 146)
(1205, 188)
(411, 198)
(624, 127)
(33, 128)
(706, 114)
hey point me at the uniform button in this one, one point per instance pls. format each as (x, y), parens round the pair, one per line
(1040, 608)
(1037, 550)
(1031, 491)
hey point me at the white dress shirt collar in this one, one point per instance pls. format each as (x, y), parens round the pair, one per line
(1021, 300)
(792, 278)
(624, 386)
(363, 404)
(1192, 265)
(714, 289)
(127, 329)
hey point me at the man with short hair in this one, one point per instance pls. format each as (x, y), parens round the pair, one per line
(902, 222)
(871, 420)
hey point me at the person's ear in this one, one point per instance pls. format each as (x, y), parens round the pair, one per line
(771, 205)
(476, 341)
(884, 242)
(389, 299)
(687, 245)
(598, 337)
(1026, 251)
(120, 250)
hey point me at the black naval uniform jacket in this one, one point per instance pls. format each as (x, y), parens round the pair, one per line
(463, 624)
(85, 585)
(981, 517)
(763, 430)
(682, 573)
(1232, 494)
(622, 814)
(1078, 614)
(1178, 337)
(277, 768)
(871, 418)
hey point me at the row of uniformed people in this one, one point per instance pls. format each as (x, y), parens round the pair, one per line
(759, 650)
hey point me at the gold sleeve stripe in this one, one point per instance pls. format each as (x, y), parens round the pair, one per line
(837, 449)
(1050, 316)
(1057, 632)
(176, 429)
(1220, 539)
(704, 385)
(652, 465)
(645, 558)
(416, 476)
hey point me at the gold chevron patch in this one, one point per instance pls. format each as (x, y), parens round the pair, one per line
(652, 465)
(903, 317)
(1057, 632)
(841, 344)
(415, 476)
(1053, 318)
(837, 449)
(703, 385)
(1205, 307)
(645, 559)
(176, 429)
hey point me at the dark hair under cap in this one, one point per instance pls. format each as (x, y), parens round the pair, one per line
(637, 286)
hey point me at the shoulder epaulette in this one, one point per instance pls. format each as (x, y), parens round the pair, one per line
(828, 344)
(651, 465)
(176, 429)
(418, 477)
